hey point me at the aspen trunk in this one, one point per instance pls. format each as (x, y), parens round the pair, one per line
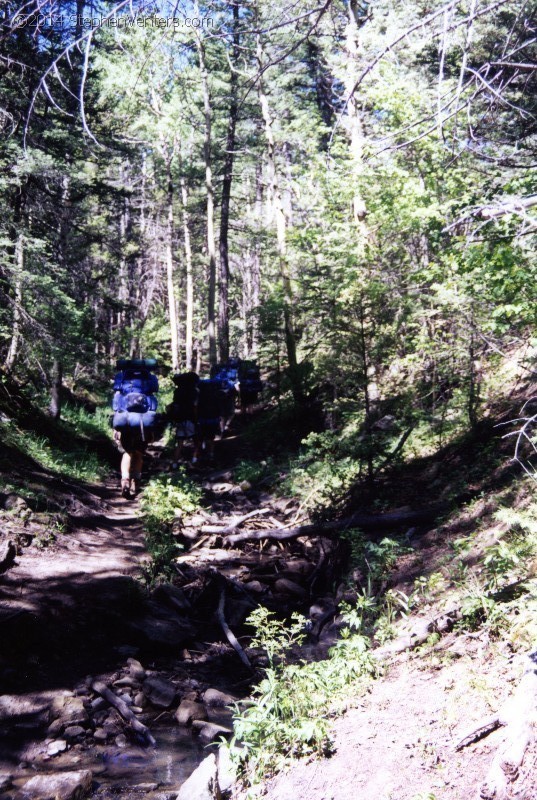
(223, 285)
(55, 407)
(211, 245)
(189, 277)
(17, 305)
(353, 114)
(172, 308)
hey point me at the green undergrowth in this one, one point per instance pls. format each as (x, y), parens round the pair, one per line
(293, 707)
(164, 500)
(65, 455)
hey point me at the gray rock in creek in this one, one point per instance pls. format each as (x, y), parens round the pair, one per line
(214, 697)
(159, 691)
(189, 710)
(210, 731)
(6, 782)
(211, 780)
(62, 786)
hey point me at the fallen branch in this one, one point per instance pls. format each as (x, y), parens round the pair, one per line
(234, 524)
(230, 636)
(365, 521)
(419, 634)
(518, 715)
(128, 715)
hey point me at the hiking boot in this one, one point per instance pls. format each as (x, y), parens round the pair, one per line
(126, 488)
(135, 486)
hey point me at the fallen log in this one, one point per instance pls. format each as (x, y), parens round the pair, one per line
(364, 521)
(128, 715)
(235, 523)
(518, 716)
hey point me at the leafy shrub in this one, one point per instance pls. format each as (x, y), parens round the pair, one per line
(292, 706)
(164, 500)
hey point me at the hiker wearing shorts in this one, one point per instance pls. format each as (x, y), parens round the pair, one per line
(134, 420)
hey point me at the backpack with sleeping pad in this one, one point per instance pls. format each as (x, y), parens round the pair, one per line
(134, 401)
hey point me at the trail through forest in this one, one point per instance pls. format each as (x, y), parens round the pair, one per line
(80, 626)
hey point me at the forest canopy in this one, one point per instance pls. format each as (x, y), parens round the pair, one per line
(343, 190)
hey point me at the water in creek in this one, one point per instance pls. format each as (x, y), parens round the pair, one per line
(123, 772)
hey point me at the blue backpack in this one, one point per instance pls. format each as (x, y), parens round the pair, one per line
(134, 402)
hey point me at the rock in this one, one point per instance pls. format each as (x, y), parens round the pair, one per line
(255, 587)
(100, 735)
(8, 551)
(143, 788)
(6, 781)
(62, 786)
(98, 704)
(139, 700)
(14, 502)
(285, 586)
(71, 711)
(298, 566)
(189, 710)
(203, 783)
(55, 728)
(73, 732)
(245, 486)
(128, 680)
(136, 671)
(227, 770)
(160, 692)
(161, 628)
(121, 740)
(214, 697)
(54, 748)
(384, 423)
(210, 731)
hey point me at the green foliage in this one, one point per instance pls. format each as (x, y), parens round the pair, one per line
(254, 471)
(164, 500)
(74, 460)
(292, 706)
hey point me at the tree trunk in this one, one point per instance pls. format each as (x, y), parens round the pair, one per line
(223, 286)
(55, 407)
(189, 277)
(211, 245)
(172, 308)
(17, 304)
(278, 215)
(354, 120)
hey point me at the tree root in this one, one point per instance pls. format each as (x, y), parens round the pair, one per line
(230, 636)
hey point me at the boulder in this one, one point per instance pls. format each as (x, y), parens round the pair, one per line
(100, 735)
(255, 586)
(70, 710)
(54, 748)
(8, 551)
(62, 786)
(227, 770)
(74, 732)
(160, 692)
(285, 586)
(6, 781)
(210, 731)
(189, 710)
(136, 671)
(203, 783)
(214, 697)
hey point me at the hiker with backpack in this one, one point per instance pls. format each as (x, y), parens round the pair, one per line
(209, 411)
(250, 385)
(135, 418)
(183, 411)
(228, 377)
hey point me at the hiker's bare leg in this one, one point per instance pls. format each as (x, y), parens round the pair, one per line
(137, 459)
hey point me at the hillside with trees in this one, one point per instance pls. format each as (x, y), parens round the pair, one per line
(345, 194)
